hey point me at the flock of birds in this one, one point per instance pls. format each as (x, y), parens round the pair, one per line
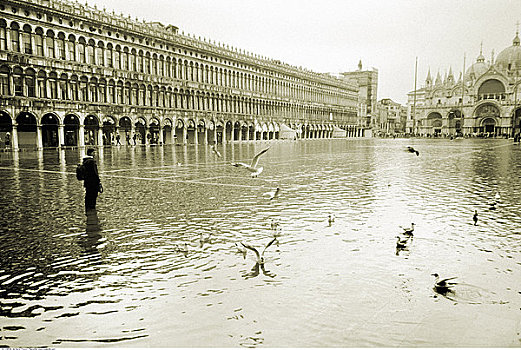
(403, 240)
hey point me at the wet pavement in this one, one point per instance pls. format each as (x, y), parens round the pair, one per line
(157, 264)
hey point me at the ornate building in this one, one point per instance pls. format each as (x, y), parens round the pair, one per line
(391, 117)
(484, 102)
(72, 75)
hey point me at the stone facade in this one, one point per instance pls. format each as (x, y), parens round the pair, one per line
(483, 102)
(73, 75)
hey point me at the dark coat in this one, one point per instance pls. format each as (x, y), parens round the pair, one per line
(92, 179)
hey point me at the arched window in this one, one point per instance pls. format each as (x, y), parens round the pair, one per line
(26, 40)
(15, 37)
(133, 61)
(63, 86)
(73, 84)
(111, 93)
(71, 47)
(91, 58)
(18, 82)
(61, 46)
(3, 34)
(126, 93)
(84, 89)
(93, 89)
(102, 90)
(30, 82)
(100, 56)
(49, 42)
(119, 92)
(42, 84)
(117, 57)
(124, 59)
(134, 94)
(139, 64)
(82, 57)
(53, 85)
(4, 81)
(109, 56)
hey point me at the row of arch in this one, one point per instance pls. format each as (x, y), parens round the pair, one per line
(46, 43)
(53, 130)
(54, 85)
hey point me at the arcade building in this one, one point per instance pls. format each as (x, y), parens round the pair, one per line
(73, 75)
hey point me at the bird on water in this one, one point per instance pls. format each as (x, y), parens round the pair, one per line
(443, 286)
(401, 242)
(259, 256)
(408, 230)
(252, 168)
(412, 150)
(215, 151)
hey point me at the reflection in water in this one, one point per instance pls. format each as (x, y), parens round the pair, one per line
(164, 270)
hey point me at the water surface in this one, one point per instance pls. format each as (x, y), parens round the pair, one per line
(158, 266)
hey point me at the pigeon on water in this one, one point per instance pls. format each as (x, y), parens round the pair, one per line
(412, 150)
(272, 194)
(443, 286)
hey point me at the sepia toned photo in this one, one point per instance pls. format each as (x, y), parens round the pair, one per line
(260, 174)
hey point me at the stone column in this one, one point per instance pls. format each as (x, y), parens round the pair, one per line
(100, 137)
(39, 141)
(61, 135)
(240, 133)
(205, 135)
(185, 133)
(14, 141)
(196, 134)
(81, 136)
(224, 133)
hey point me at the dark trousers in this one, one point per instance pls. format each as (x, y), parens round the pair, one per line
(91, 195)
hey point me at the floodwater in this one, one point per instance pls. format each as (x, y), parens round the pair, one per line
(158, 266)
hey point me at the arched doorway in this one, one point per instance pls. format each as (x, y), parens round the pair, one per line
(140, 133)
(201, 127)
(488, 113)
(179, 127)
(228, 130)
(125, 130)
(109, 130)
(516, 122)
(190, 131)
(49, 130)
(6, 130)
(455, 118)
(27, 136)
(210, 135)
(153, 132)
(219, 125)
(167, 132)
(434, 121)
(251, 131)
(91, 130)
(71, 128)
(236, 130)
(489, 126)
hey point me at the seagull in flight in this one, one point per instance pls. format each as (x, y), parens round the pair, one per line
(412, 150)
(272, 194)
(215, 151)
(260, 256)
(443, 286)
(255, 171)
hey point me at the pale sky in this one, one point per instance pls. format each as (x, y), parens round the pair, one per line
(333, 35)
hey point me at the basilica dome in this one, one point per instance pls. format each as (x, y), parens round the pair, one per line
(477, 69)
(510, 58)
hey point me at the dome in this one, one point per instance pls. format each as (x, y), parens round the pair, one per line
(478, 68)
(510, 58)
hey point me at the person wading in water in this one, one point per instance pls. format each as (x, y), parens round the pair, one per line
(91, 181)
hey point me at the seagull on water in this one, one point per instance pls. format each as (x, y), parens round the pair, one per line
(401, 242)
(408, 230)
(272, 194)
(443, 286)
(412, 150)
(260, 256)
(215, 151)
(255, 171)
(475, 217)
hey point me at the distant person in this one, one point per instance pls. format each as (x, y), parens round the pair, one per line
(128, 139)
(118, 140)
(91, 181)
(134, 138)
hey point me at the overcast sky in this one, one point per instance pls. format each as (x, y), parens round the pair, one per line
(333, 35)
